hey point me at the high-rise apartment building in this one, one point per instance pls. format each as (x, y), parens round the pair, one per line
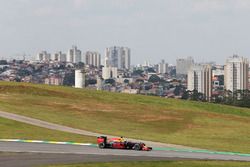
(183, 65)
(74, 55)
(93, 58)
(200, 79)
(162, 67)
(248, 78)
(43, 56)
(236, 73)
(59, 56)
(119, 57)
(109, 72)
(125, 58)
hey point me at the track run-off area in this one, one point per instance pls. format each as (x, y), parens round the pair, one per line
(52, 152)
(53, 126)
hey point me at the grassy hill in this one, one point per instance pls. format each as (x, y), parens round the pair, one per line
(10, 129)
(202, 125)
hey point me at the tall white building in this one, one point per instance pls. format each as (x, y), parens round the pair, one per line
(109, 72)
(74, 55)
(59, 56)
(236, 73)
(79, 79)
(200, 79)
(112, 57)
(249, 79)
(162, 67)
(119, 57)
(43, 56)
(183, 65)
(93, 58)
(125, 58)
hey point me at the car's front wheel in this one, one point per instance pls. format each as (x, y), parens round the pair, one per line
(137, 147)
(101, 145)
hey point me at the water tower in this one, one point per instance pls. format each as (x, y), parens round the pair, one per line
(79, 79)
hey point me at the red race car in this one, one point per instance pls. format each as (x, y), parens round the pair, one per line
(120, 143)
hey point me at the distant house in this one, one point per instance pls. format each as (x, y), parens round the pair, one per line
(130, 91)
(54, 80)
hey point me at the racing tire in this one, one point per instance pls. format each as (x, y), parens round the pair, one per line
(137, 147)
(101, 145)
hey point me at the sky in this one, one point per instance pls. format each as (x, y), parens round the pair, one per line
(207, 30)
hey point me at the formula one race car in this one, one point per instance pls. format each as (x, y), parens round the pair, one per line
(120, 143)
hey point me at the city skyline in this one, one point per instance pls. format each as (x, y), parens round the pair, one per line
(205, 30)
(182, 64)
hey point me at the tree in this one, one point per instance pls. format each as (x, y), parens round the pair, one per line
(80, 65)
(3, 62)
(194, 95)
(186, 95)
(242, 98)
(126, 81)
(137, 72)
(17, 79)
(69, 79)
(23, 72)
(91, 81)
(154, 78)
(228, 97)
(197, 96)
(151, 70)
(110, 81)
(177, 90)
(217, 99)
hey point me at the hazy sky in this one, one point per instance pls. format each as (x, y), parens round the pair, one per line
(208, 30)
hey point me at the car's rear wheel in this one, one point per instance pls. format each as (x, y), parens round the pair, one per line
(101, 145)
(137, 147)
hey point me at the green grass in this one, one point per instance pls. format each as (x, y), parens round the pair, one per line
(163, 164)
(15, 130)
(202, 125)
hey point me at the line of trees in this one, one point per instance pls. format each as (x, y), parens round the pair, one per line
(239, 98)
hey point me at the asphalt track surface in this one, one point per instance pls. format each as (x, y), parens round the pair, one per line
(31, 154)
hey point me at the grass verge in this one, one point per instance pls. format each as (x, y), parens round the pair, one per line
(202, 125)
(15, 130)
